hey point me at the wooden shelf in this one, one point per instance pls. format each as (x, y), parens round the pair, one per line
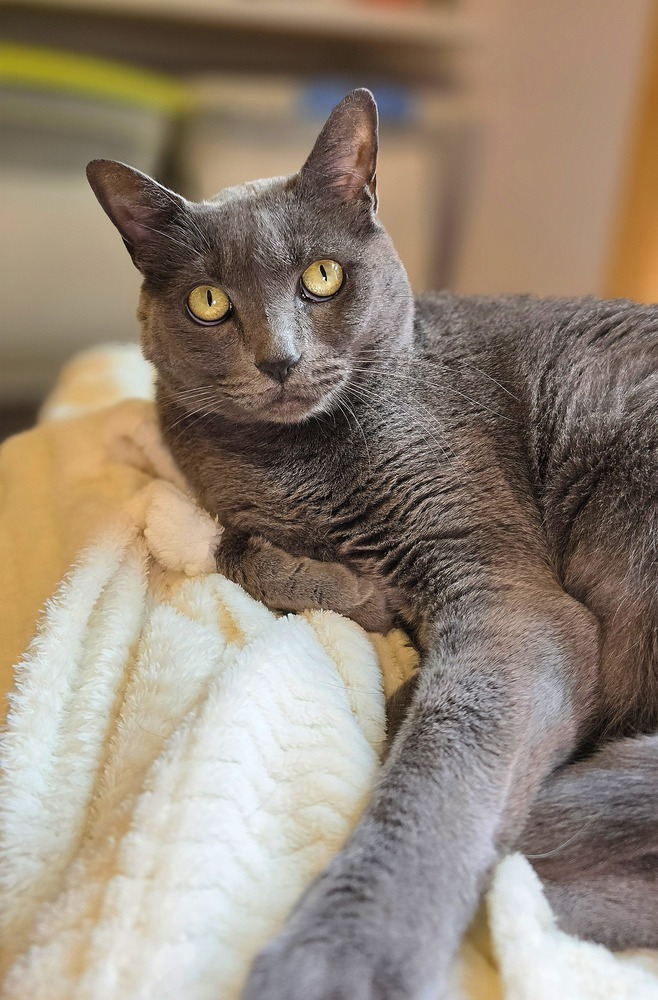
(415, 26)
(414, 43)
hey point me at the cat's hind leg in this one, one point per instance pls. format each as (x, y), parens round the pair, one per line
(592, 837)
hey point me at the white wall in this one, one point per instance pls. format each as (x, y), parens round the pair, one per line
(558, 81)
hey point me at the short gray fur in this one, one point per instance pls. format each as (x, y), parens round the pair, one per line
(485, 470)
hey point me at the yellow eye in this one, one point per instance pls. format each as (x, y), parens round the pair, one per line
(208, 304)
(323, 278)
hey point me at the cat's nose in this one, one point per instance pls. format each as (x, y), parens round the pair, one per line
(278, 368)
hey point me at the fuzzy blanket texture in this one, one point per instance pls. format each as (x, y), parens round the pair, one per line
(178, 762)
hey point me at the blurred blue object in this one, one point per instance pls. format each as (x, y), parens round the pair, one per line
(395, 101)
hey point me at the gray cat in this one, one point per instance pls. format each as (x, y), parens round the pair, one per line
(486, 470)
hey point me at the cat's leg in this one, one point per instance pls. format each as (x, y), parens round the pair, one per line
(289, 583)
(499, 704)
(592, 837)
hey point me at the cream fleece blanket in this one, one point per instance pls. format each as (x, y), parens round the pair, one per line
(177, 762)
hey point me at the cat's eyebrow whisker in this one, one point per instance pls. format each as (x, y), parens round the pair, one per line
(190, 218)
(199, 231)
(204, 239)
(179, 243)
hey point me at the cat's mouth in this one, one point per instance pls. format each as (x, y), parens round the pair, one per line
(291, 404)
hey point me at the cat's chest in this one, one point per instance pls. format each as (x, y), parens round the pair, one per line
(293, 498)
(353, 495)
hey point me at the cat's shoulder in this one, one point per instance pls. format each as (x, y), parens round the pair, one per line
(446, 310)
(444, 317)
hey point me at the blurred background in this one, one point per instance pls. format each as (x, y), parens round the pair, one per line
(519, 143)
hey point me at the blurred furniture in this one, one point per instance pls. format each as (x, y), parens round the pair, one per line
(61, 251)
(633, 271)
(64, 285)
(414, 43)
(557, 86)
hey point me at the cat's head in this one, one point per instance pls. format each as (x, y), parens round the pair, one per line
(266, 302)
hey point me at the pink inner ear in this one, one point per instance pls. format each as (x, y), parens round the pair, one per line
(353, 170)
(363, 157)
(133, 220)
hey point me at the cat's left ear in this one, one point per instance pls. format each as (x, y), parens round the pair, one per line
(343, 162)
(139, 207)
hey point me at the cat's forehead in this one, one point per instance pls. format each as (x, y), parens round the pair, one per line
(250, 191)
(257, 223)
(268, 225)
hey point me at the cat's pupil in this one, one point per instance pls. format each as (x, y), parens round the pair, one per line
(209, 297)
(323, 272)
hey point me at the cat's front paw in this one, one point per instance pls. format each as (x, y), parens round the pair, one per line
(332, 968)
(324, 969)
(309, 971)
(376, 611)
(335, 950)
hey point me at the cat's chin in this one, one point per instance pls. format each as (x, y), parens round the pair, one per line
(294, 409)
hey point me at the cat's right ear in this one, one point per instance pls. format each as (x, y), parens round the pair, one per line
(139, 207)
(343, 162)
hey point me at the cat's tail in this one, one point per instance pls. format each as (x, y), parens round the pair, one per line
(592, 837)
